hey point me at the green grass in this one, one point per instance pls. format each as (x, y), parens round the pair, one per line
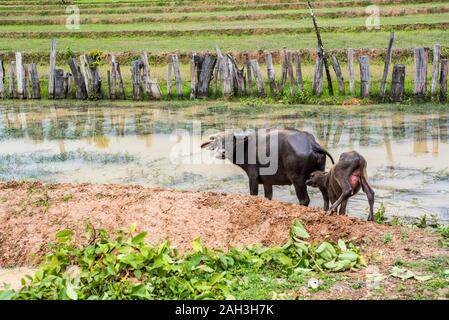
(159, 44)
(206, 25)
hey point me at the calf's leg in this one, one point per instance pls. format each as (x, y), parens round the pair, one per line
(253, 186)
(370, 195)
(342, 210)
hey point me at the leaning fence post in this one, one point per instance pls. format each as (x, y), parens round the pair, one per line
(317, 88)
(443, 80)
(291, 77)
(339, 74)
(397, 83)
(351, 71)
(2, 80)
(249, 74)
(420, 87)
(270, 73)
(206, 73)
(193, 75)
(365, 78)
(258, 77)
(435, 73)
(146, 73)
(80, 86)
(383, 85)
(51, 77)
(225, 74)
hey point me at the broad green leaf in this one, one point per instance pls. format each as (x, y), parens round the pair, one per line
(423, 278)
(342, 245)
(197, 245)
(349, 255)
(64, 235)
(139, 238)
(298, 230)
(89, 231)
(7, 294)
(71, 293)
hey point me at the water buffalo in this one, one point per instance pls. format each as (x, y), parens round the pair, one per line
(343, 181)
(272, 157)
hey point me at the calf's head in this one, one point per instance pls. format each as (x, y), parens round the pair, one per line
(317, 179)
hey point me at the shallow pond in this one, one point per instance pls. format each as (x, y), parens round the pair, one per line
(407, 154)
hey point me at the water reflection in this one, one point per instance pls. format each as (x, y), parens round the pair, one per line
(406, 153)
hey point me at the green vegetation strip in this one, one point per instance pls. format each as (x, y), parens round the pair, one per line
(127, 268)
(262, 15)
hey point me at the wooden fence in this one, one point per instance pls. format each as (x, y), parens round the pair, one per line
(209, 71)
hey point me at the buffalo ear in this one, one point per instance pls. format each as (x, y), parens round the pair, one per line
(205, 144)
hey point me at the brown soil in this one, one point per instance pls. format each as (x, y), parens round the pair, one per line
(31, 213)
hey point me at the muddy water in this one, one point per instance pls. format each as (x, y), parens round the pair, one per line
(407, 154)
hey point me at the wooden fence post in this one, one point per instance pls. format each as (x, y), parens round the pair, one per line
(169, 69)
(2, 80)
(397, 83)
(339, 74)
(12, 80)
(208, 63)
(35, 84)
(383, 85)
(283, 78)
(317, 88)
(258, 77)
(26, 82)
(59, 91)
(146, 73)
(87, 77)
(299, 80)
(97, 92)
(249, 74)
(443, 80)
(421, 59)
(225, 74)
(136, 67)
(291, 77)
(120, 80)
(51, 77)
(365, 77)
(80, 85)
(194, 75)
(69, 91)
(270, 73)
(177, 71)
(351, 71)
(19, 74)
(435, 73)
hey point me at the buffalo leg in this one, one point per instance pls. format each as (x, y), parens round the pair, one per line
(370, 195)
(268, 190)
(253, 187)
(301, 192)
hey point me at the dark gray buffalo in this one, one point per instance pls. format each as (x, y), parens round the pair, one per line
(272, 157)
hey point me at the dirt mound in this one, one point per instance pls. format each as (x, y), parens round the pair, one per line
(31, 213)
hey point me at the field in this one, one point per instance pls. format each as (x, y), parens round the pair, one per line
(161, 27)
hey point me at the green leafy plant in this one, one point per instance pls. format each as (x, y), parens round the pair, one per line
(379, 215)
(128, 268)
(96, 57)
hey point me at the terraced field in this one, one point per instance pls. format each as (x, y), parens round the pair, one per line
(126, 27)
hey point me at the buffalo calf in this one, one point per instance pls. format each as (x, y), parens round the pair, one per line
(343, 181)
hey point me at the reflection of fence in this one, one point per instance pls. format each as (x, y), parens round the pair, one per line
(330, 130)
(212, 74)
